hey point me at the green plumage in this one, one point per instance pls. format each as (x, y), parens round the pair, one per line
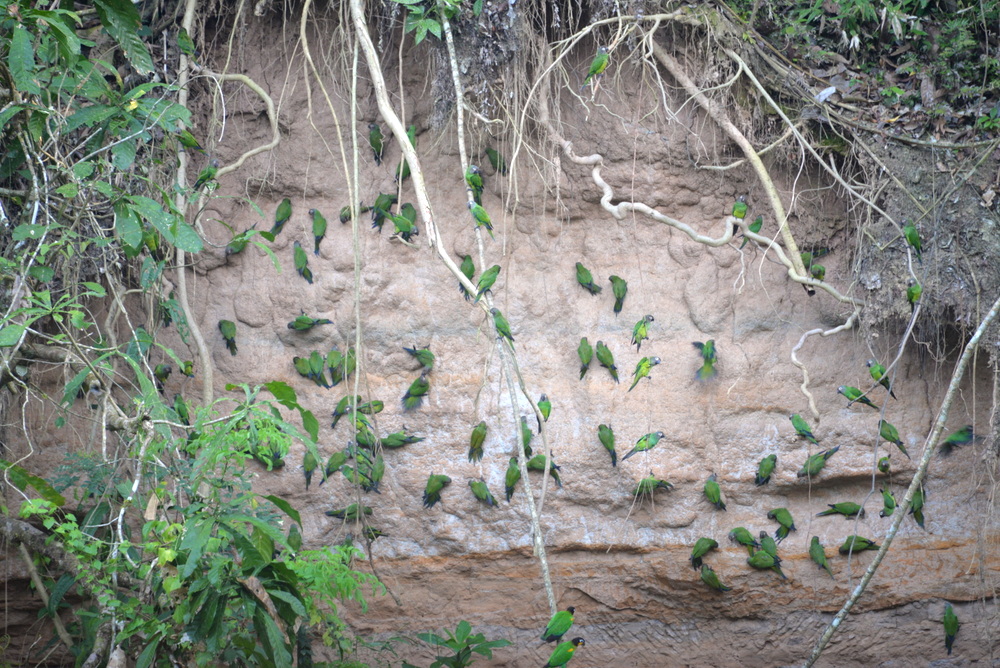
(423, 355)
(619, 286)
(403, 170)
(888, 502)
(917, 507)
(377, 141)
(482, 492)
(714, 493)
(481, 218)
(468, 269)
(418, 389)
(702, 546)
(432, 491)
(563, 653)
(957, 439)
(187, 140)
(317, 369)
(709, 577)
(381, 208)
(208, 174)
(398, 439)
(765, 561)
(607, 438)
(185, 43)
(309, 465)
(545, 408)
(768, 545)
(853, 395)
(228, 330)
(304, 323)
(486, 281)
(503, 327)
(474, 179)
(951, 625)
(785, 521)
(854, 544)
(598, 64)
(913, 238)
(351, 513)
(740, 207)
(302, 262)
(764, 470)
(606, 359)
(526, 436)
(883, 464)
(913, 292)
(344, 407)
(642, 370)
(818, 555)
(319, 229)
(707, 350)
(741, 536)
(641, 332)
(476, 441)
(877, 372)
(650, 484)
(559, 625)
(848, 509)
(281, 215)
(754, 227)
(802, 428)
(646, 442)
(511, 478)
(586, 279)
(891, 434)
(586, 354)
(537, 463)
(161, 372)
(818, 271)
(815, 463)
(497, 161)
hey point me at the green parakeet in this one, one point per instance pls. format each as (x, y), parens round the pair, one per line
(709, 577)
(597, 65)
(403, 170)
(818, 271)
(741, 536)
(497, 161)
(957, 439)
(185, 43)
(586, 279)
(650, 484)
(344, 407)
(714, 493)
(545, 408)
(309, 466)
(853, 395)
(764, 470)
(740, 207)
(351, 513)
(641, 332)
(381, 208)
(883, 464)
(647, 442)
(486, 281)
(511, 478)
(877, 372)
(753, 227)
(606, 359)
(913, 292)
(586, 354)
(228, 330)
(815, 463)
(607, 438)
(377, 141)
(558, 625)
(917, 507)
(818, 555)
(526, 436)
(642, 370)
(317, 369)
(161, 372)
(857, 544)
(913, 238)
(468, 269)
(784, 519)
(891, 434)
(563, 653)
(474, 179)
(404, 228)
(182, 410)
(537, 463)
(294, 538)
(503, 327)
(476, 441)
(304, 323)
(281, 216)
(423, 355)
(702, 546)
(302, 262)
(302, 366)
(208, 174)
(398, 439)
(802, 428)
(619, 286)
(187, 140)
(765, 561)
(418, 389)
(432, 492)
(768, 545)
(950, 626)
(482, 492)
(481, 218)
(707, 350)
(888, 502)
(319, 229)
(848, 509)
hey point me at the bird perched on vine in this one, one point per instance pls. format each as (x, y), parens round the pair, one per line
(891, 434)
(545, 408)
(559, 625)
(753, 227)
(913, 238)
(888, 502)
(740, 207)
(377, 141)
(486, 281)
(597, 65)
(208, 174)
(481, 218)
(468, 269)
(474, 179)
(913, 292)
(503, 327)
(281, 216)
(187, 140)
(853, 395)
(877, 372)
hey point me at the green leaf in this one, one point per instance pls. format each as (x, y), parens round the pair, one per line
(185, 237)
(11, 334)
(272, 637)
(477, 7)
(105, 189)
(310, 423)
(21, 61)
(121, 20)
(283, 393)
(69, 43)
(291, 599)
(127, 225)
(90, 116)
(63, 585)
(148, 655)
(25, 231)
(9, 113)
(42, 273)
(285, 507)
(73, 387)
(68, 190)
(462, 631)
(123, 154)
(196, 535)
(96, 289)
(83, 170)
(268, 529)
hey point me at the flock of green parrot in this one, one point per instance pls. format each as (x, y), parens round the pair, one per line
(369, 466)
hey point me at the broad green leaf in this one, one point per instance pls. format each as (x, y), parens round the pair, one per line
(68, 190)
(90, 116)
(42, 273)
(83, 170)
(11, 334)
(310, 424)
(21, 61)
(285, 507)
(290, 599)
(9, 113)
(96, 289)
(123, 154)
(196, 535)
(127, 225)
(148, 654)
(283, 393)
(121, 20)
(63, 585)
(26, 231)
(186, 238)
(462, 631)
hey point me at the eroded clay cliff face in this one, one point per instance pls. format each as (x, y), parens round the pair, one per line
(623, 564)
